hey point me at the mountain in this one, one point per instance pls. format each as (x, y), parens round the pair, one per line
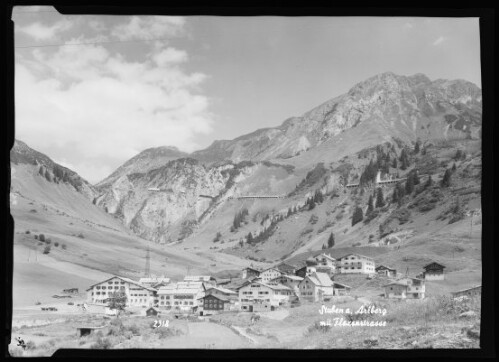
(157, 193)
(405, 107)
(146, 160)
(22, 154)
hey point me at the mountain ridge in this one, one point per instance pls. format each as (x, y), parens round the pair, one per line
(418, 99)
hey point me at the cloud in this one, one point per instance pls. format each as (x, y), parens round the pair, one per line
(39, 31)
(439, 40)
(408, 26)
(152, 27)
(170, 56)
(93, 108)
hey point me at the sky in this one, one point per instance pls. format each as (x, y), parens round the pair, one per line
(93, 91)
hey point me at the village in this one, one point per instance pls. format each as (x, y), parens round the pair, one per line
(278, 287)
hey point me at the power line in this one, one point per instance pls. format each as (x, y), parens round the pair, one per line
(89, 43)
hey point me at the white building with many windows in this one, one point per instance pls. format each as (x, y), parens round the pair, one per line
(356, 264)
(259, 296)
(137, 295)
(269, 274)
(181, 296)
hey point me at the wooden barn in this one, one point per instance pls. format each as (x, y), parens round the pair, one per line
(434, 271)
(152, 312)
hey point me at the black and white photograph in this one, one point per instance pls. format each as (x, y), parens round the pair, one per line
(245, 182)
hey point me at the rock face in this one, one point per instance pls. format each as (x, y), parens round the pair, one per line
(403, 107)
(164, 204)
(146, 160)
(394, 106)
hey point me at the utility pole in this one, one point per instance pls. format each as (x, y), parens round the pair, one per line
(148, 263)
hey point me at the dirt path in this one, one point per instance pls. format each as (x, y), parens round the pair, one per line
(207, 335)
(278, 315)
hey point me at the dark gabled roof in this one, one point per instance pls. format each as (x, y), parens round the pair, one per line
(395, 283)
(341, 284)
(434, 263)
(385, 267)
(223, 299)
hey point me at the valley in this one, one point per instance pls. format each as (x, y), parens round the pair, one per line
(200, 213)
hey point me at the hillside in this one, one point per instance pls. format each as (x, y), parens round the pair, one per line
(385, 109)
(275, 194)
(82, 243)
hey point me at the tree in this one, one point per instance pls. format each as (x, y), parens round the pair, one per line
(330, 241)
(454, 167)
(395, 195)
(47, 175)
(370, 206)
(318, 197)
(409, 185)
(47, 249)
(394, 163)
(380, 200)
(40, 171)
(429, 182)
(415, 177)
(311, 204)
(416, 146)
(249, 238)
(117, 301)
(357, 216)
(446, 179)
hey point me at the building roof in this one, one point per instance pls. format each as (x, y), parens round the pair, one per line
(434, 263)
(342, 285)
(128, 280)
(250, 268)
(324, 255)
(292, 277)
(465, 290)
(359, 255)
(385, 267)
(182, 288)
(222, 290)
(274, 286)
(271, 268)
(154, 280)
(321, 279)
(196, 278)
(395, 283)
(222, 298)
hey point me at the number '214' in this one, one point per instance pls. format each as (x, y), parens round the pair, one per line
(160, 323)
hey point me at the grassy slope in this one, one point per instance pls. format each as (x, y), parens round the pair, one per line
(106, 247)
